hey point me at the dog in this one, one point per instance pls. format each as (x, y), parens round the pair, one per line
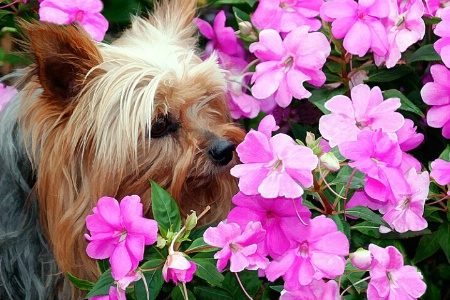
(93, 120)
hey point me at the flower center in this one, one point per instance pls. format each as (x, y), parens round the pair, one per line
(303, 250)
(288, 63)
(79, 16)
(123, 236)
(288, 4)
(361, 14)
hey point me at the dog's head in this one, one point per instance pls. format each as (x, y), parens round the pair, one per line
(101, 120)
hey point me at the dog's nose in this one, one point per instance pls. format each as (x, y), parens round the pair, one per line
(221, 151)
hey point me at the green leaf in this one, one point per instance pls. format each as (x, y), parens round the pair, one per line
(165, 210)
(405, 103)
(103, 264)
(177, 293)
(152, 263)
(249, 280)
(240, 15)
(367, 228)
(4, 12)
(444, 238)
(320, 96)
(277, 288)
(366, 214)
(154, 280)
(352, 275)
(343, 177)
(445, 155)
(207, 271)
(81, 284)
(251, 2)
(428, 245)
(212, 293)
(388, 75)
(342, 225)
(102, 286)
(425, 53)
(199, 245)
(405, 235)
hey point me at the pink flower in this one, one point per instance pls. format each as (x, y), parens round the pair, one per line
(316, 290)
(407, 211)
(221, 37)
(390, 279)
(359, 24)
(361, 258)
(286, 64)
(313, 257)
(177, 268)
(404, 27)
(437, 94)
(114, 294)
(86, 12)
(277, 217)
(6, 94)
(273, 166)
(119, 231)
(440, 171)
(442, 46)
(365, 110)
(284, 15)
(407, 136)
(239, 247)
(433, 8)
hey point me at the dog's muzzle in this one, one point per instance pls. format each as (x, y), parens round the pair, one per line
(221, 151)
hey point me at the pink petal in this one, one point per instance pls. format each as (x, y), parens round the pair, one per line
(121, 263)
(438, 116)
(96, 25)
(205, 28)
(101, 249)
(108, 208)
(358, 39)
(269, 47)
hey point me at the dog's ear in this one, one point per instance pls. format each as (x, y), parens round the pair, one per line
(64, 56)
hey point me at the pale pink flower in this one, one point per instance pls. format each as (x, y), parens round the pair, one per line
(433, 8)
(286, 64)
(313, 257)
(222, 38)
(285, 15)
(442, 46)
(365, 110)
(273, 166)
(359, 24)
(437, 94)
(407, 211)
(120, 233)
(85, 12)
(177, 268)
(407, 136)
(404, 27)
(240, 247)
(316, 290)
(277, 216)
(361, 258)
(390, 279)
(440, 171)
(6, 94)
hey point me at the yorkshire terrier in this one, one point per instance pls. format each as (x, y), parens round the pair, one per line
(95, 120)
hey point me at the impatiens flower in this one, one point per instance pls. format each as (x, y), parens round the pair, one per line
(114, 294)
(280, 167)
(433, 8)
(85, 12)
(286, 64)
(120, 233)
(365, 110)
(316, 290)
(177, 268)
(6, 94)
(404, 27)
(407, 136)
(437, 94)
(442, 46)
(390, 279)
(284, 15)
(359, 24)
(240, 247)
(320, 253)
(277, 216)
(221, 38)
(440, 171)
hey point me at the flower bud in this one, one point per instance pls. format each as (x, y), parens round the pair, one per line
(160, 242)
(361, 258)
(191, 221)
(330, 161)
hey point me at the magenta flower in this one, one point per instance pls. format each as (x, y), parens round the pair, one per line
(239, 247)
(404, 27)
(407, 211)
(390, 279)
(407, 136)
(359, 24)
(313, 257)
(286, 64)
(85, 12)
(6, 94)
(440, 171)
(221, 38)
(278, 168)
(442, 46)
(277, 217)
(284, 15)
(177, 268)
(120, 233)
(437, 94)
(316, 290)
(365, 110)
(114, 294)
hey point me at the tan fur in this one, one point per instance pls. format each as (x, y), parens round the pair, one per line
(87, 132)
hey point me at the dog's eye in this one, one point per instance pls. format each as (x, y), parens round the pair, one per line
(163, 126)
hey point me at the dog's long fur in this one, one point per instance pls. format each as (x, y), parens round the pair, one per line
(80, 129)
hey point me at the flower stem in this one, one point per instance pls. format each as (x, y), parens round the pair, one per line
(347, 188)
(242, 287)
(185, 291)
(356, 283)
